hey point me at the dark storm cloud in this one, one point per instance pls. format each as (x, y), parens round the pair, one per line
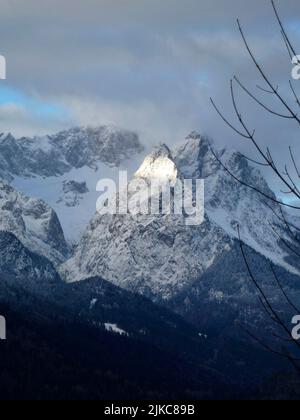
(147, 65)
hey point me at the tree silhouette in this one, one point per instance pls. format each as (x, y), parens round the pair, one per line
(289, 348)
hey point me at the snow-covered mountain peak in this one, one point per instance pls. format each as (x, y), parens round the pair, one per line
(5, 137)
(159, 165)
(197, 138)
(158, 254)
(56, 155)
(194, 157)
(162, 150)
(87, 146)
(194, 135)
(63, 169)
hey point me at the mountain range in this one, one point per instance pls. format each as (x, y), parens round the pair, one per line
(63, 169)
(181, 290)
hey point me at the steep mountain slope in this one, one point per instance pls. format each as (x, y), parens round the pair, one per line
(64, 360)
(225, 301)
(159, 255)
(30, 284)
(54, 167)
(33, 222)
(229, 204)
(21, 269)
(102, 327)
(94, 326)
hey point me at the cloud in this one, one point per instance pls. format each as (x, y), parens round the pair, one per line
(24, 115)
(148, 65)
(148, 120)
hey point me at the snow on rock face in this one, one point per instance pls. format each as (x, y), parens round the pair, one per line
(153, 256)
(58, 154)
(89, 146)
(33, 222)
(64, 169)
(229, 204)
(159, 256)
(158, 165)
(113, 328)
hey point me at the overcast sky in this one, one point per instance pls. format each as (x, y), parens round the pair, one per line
(146, 65)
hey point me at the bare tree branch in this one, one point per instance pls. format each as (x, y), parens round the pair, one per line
(266, 90)
(294, 162)
(283, 291)
(294, 93)
(227, 122)
(254, 161)
(283, 31)
(262, 293)
(252, 187)
(266, 346)
(289, 117)
(285, 242)
(293, 241)
(266, 79)
(251, 136)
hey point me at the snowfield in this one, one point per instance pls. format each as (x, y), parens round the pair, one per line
(115, 329)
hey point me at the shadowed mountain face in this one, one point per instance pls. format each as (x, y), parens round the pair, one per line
(75, 330)
(77, 340)
(33, 222)
(28, 269)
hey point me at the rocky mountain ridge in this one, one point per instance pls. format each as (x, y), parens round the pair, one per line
(158, 255)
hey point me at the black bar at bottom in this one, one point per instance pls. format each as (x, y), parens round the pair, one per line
(135, 409)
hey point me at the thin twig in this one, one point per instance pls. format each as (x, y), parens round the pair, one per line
(243, 87)
(269, 83)
(252, 187)
(283, 291)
